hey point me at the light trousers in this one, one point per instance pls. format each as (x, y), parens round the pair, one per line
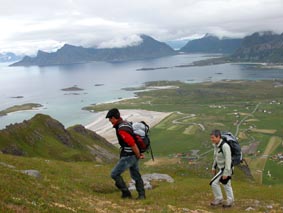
(216, 188)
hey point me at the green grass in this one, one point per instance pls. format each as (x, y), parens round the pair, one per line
(87, 187)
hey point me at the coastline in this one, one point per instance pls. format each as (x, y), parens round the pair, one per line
(103, 127)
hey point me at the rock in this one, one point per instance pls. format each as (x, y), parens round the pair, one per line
(249, 209)
(13, 149)
(149, 177)
(157, 176)
(33, 173)
(7, 165)
(132, 186)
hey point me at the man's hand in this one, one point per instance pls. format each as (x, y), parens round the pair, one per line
(142, 156)
(213, 172)
(224, 177)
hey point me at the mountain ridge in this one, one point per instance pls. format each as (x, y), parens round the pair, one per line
(261, 47)
(70, 54)
(43, 136)
(257, 47)
(212, 44)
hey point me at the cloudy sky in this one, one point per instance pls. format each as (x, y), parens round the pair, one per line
(29, 25)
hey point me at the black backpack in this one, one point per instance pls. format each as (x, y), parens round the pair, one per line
(231, 140)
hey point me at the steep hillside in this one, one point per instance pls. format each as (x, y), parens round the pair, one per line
(69, 54)
(149, 48)
(42, 136)
(261, 47)
(212, 44)
(87, 187)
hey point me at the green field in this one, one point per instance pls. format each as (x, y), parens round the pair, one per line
(252, 109)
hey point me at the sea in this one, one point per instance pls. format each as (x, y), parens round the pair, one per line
(104, 82)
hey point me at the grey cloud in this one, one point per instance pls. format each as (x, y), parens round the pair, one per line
(30, 25)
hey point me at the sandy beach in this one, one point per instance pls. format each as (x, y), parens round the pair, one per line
(103, 127)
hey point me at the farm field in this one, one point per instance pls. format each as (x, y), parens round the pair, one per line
(252, 110)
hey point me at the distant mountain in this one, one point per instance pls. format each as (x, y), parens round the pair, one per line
(68, 54)
(9, 57)
(212, 44)
(261, 47)
(43, 136)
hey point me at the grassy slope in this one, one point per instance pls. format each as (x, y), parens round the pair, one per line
(86, 187)
(45, 137)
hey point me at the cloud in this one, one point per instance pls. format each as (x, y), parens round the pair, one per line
(132, 40)
(47, 25)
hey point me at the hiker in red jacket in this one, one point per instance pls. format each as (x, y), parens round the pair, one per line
(129, 156)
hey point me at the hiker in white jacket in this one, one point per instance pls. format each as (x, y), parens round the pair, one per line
(222, 171)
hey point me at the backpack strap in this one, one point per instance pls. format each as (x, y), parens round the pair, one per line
(125, 149)
(151, 153)
(221, 150)
(220, 146)
(146, 130)
(125, 124)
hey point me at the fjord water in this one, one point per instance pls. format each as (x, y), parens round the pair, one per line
(103, 82)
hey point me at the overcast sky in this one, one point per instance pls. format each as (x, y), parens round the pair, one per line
(29, 25)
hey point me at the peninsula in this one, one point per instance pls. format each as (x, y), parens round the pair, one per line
(28, 106)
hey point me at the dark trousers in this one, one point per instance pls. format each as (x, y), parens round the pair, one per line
(131, 163)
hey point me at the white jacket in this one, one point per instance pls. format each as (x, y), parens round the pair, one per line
(223, 159)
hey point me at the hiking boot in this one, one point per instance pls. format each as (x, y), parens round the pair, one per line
(126, 194)
(140, 188)
(216, 202)
(227, 204)
(140, 197)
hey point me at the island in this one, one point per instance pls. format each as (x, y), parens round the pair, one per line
(19, 96)
(73, 88)
(98, 85)
(22, 107)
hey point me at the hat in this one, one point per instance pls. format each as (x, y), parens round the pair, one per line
(113, 113)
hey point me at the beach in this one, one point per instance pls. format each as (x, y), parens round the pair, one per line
(103, 127)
